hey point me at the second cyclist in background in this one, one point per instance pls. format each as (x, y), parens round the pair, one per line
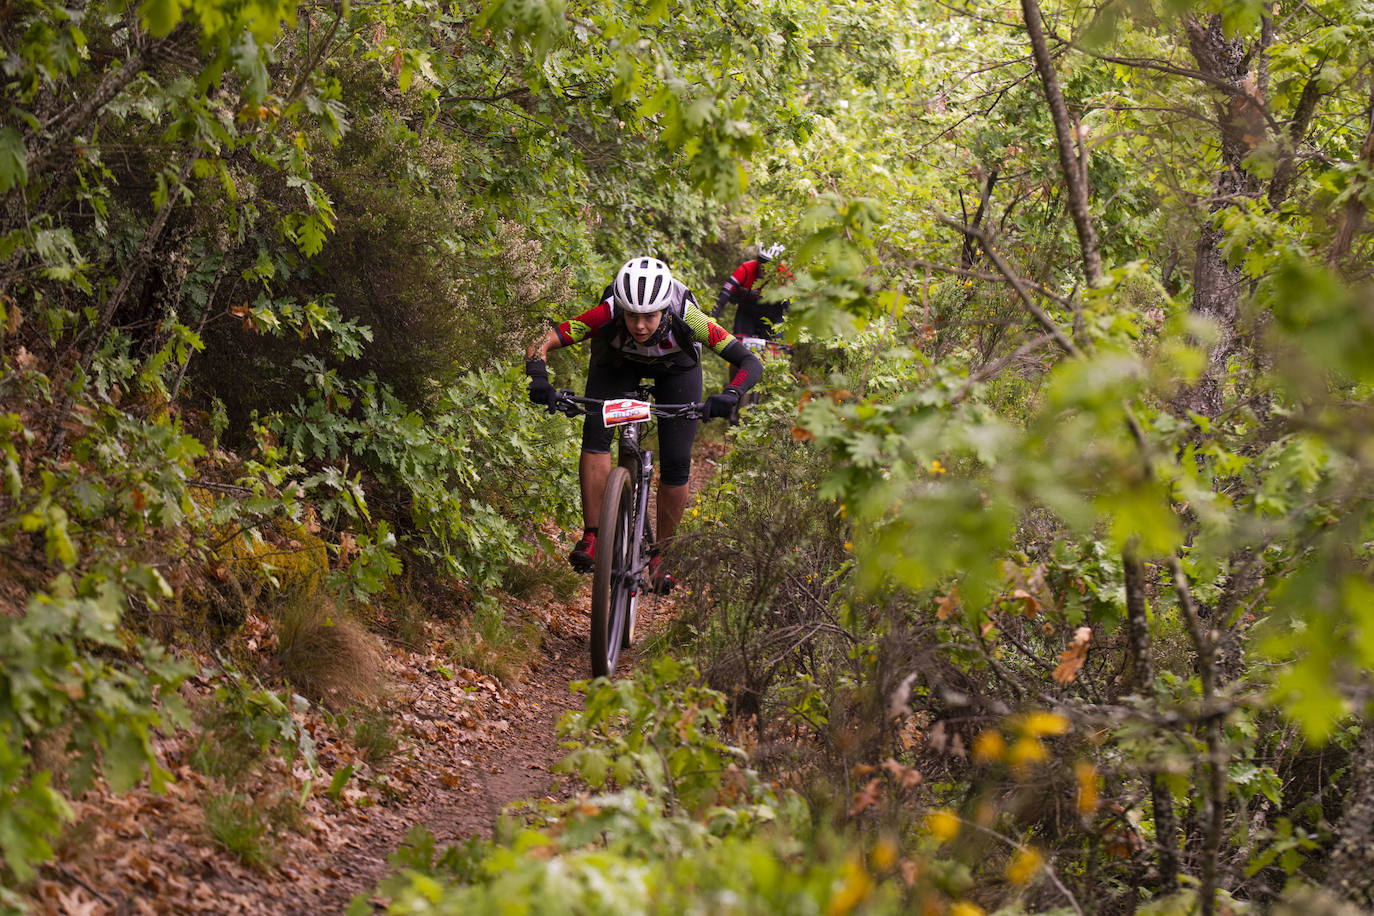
(745, 286)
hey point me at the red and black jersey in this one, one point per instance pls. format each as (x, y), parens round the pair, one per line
(744, 287)
(751, 272)
(679, 345)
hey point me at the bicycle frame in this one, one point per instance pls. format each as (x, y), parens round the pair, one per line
(639, 462)
(619, 574)
(766, 348)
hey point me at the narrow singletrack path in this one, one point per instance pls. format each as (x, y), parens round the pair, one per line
(469, 746)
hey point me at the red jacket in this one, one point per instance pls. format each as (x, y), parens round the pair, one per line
(740, 284)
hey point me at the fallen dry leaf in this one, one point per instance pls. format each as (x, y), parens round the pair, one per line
(1071, 659)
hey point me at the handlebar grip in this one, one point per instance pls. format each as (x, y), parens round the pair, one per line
(563, 403)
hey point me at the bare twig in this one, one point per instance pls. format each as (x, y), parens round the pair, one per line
(1138, 637)
(997, 365)
(232, 489)
(1216, 751)
(1037, 288)
(77, 879)
(132, 274)
(1049, 869)
(1041, 316)
(313, 60)
(76, 117)
(204, 317)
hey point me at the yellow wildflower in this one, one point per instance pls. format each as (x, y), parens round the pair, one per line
(857, 888)
(1026, 752)
(1044, 723)
(884, 854)
(943, 824)
(1087, 787)
(1024, 865)
(989, 746)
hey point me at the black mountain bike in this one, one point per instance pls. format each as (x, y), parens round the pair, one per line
(622, 552)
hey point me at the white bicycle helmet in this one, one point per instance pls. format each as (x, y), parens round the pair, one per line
(643, 285)
(769, 253)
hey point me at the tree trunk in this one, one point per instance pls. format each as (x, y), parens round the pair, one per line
(1353, 216)
(1071, 163)
(1218, 758)
(1351, 869)
(969, 255)
(1240, 119)
(1287, 169)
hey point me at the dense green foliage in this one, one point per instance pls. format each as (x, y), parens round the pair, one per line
(1040, 578)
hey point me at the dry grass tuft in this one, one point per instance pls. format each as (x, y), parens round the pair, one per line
(544, 577)
(496, 643)
(325, 654)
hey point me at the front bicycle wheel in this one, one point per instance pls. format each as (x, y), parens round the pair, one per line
(612, 578)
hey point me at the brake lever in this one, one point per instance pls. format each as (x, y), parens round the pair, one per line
(561, 404)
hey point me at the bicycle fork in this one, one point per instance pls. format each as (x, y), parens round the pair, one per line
(641, 463)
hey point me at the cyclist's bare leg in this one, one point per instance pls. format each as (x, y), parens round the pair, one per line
(671, 502)
(592, 470)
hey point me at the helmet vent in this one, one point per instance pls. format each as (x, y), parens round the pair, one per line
(643, 285)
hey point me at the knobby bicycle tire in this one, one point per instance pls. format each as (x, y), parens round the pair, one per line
(611, 585)
(648, 541)
(629, 460)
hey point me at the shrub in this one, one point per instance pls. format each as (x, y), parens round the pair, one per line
(240, 827)
(769, 554)
(495, 643)
(70, 683)
(374, 733)
(447, 470)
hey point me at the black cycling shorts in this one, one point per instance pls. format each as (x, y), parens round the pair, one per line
(759, 320)
(671, 386)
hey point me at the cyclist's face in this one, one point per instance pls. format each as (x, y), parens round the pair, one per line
(642, 326)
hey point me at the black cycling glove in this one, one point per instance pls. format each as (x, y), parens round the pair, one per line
(722, 297)
(723, 404)
(541, 392)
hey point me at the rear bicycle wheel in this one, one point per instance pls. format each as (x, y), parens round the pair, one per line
(612, 578)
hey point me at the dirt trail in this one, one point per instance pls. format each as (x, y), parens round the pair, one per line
(470, 746)
(462, 787)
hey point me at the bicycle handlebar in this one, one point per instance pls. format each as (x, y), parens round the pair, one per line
(566, 402)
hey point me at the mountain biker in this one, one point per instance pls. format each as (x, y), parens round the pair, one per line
(753, 316)
(646, 325)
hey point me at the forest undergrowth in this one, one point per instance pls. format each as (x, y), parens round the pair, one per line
(1040, 580)
(431, 731)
